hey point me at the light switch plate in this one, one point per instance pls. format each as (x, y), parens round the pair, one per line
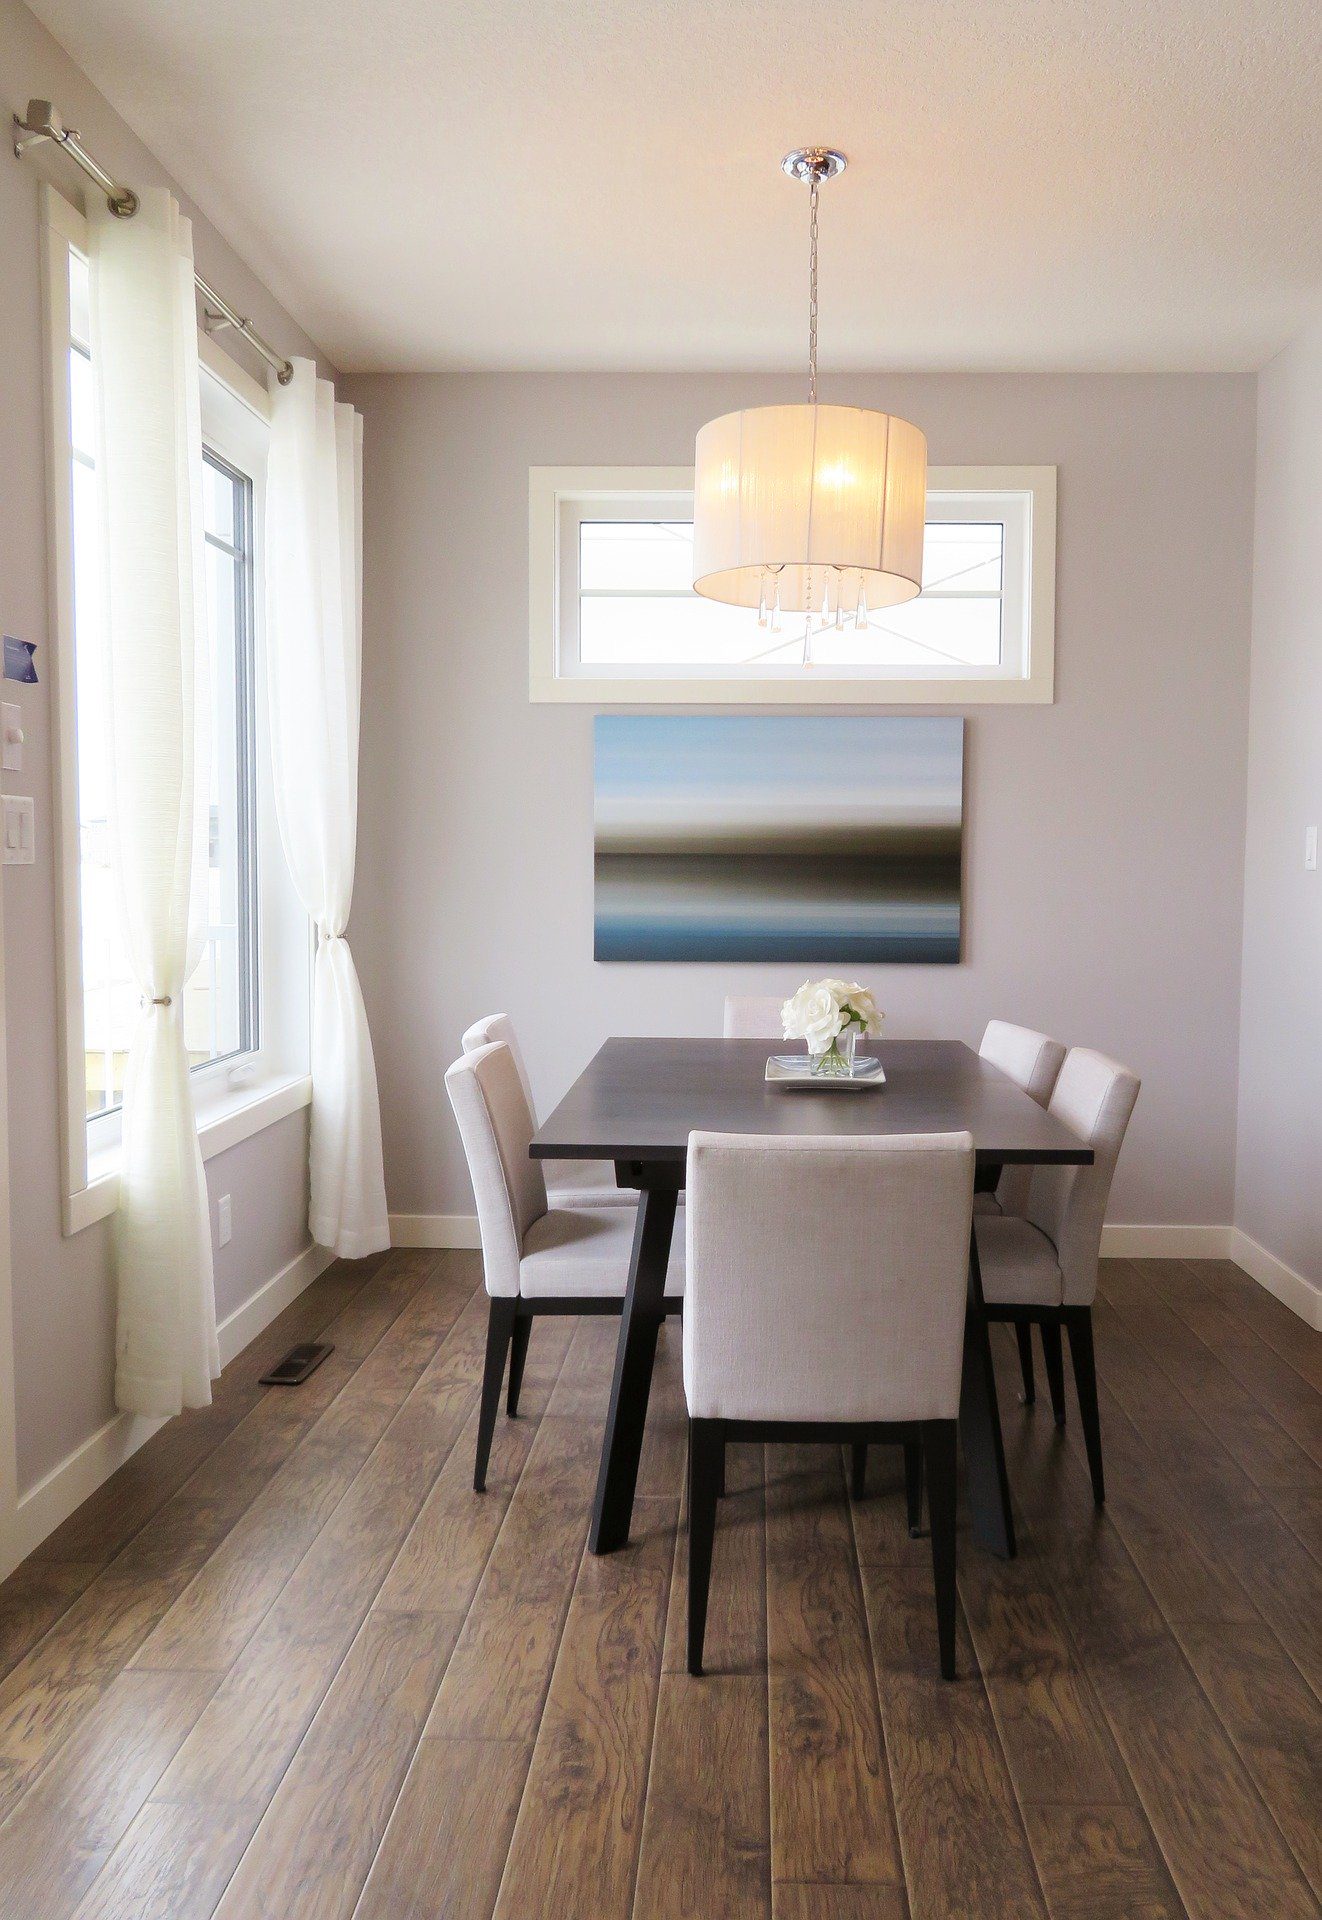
(19, 830)
(1310, 849)
(11, 736)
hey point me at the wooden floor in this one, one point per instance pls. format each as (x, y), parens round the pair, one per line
(287, 1664)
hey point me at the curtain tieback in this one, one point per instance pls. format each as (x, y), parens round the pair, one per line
(325, 936)
(163, 1000)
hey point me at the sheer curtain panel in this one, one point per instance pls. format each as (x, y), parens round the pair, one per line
(149, 473)
(314, 650)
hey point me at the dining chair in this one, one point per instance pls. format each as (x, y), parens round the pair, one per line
(825, 1288)
(536, 1259)
(753, 1017)
(1032, 1060)
(574, 1183)
(1042, 1269)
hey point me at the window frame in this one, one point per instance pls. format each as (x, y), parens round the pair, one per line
(562, 497)
(239, 1094)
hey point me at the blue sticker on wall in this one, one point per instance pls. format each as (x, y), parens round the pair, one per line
(19, 663)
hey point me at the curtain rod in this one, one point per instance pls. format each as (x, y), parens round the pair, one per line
(43, 123)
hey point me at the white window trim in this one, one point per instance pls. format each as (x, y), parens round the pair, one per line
(234, 1099)
(549, 486)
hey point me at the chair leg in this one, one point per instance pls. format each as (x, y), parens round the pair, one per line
(939, 1457)
(858, 1469)
(1023, 1333)
(500, 1327)
(1079, 1322)
(518, 1354)
(706, 1464)
(1055, 1366)
(913, 1486)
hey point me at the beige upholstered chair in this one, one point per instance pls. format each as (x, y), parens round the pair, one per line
(536, 1259)
(1043, 1268)
(808, 1316)
(572, 1183)
(1032, 1061)
(754, 1017)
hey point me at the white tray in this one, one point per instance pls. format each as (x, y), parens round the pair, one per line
(792, 1070)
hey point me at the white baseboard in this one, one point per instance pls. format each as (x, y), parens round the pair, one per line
(1292, 1289)
(240, 1328)
(1119, 1242)
(1162, 1242)
(57, 1494)
(434, 1230)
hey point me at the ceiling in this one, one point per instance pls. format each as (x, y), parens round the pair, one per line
(595, 183)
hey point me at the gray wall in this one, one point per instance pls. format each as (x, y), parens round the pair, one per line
(63, 1289)
(1105, 833)
(1280, 1114)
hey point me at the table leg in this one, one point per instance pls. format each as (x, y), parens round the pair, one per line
(640, 1324)
(980, 1427)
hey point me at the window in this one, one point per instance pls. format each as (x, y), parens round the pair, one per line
(614, 617)
(246, 1008)
(220, 1002)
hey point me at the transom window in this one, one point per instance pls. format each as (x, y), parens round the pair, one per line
(614, 615)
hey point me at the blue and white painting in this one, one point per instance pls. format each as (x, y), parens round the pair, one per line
(748, 838)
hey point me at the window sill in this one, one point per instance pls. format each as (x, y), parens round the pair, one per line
(250, 1112)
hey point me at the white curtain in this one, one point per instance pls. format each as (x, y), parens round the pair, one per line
(149, 472)
(314, 650)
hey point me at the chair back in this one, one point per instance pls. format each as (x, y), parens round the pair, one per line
(753, 1017)
(1094, 1098)
(493, 1027)
(496, 1127)
(825, 1279)
(1032, 1060)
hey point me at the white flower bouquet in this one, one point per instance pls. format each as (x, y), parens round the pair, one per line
(829, 1015)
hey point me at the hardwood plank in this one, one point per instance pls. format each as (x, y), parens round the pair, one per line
(312, 1852)
(1255, 1441)
(446, 1843)
(164, 1868)
(1252, 1542)
(43, 1696)
(960, 1829)
(1099, 1863)
(1276, 1725)
(1298, 1344)
(575, 1846)
(794, 1900)
(737, 1599)
(442, 1559)
(32, 1600)
(235, 1755)
(61, 1833)
(122, 1505)
(881, 1518)
(497, 1678)
(266, 1701)
(831, 1812)
(706, 1846)
(1291, 1401)
(209, 1623)
(1050, 1724)
(1223, 1849)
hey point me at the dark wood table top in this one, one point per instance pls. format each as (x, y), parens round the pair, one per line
(640, 1099)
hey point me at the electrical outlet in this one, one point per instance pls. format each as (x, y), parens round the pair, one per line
(224, 1220)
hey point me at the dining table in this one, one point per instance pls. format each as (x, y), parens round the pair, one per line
(635, 1105)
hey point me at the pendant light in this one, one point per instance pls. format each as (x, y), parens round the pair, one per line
(810, 509)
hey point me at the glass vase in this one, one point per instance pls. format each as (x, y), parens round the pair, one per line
(838, 1060)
